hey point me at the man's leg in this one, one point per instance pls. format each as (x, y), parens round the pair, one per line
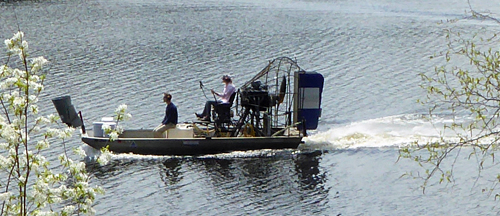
(158, 131)
(208, 109)
(169, 126)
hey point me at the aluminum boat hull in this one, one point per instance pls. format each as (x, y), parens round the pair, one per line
(190, 146)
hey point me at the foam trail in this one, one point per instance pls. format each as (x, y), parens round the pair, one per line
(382, 132)
(93, 154)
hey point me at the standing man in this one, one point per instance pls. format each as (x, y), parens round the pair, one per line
(170, 119)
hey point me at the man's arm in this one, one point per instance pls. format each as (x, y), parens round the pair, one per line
(214, 92)
(165, 119)
(228, 91)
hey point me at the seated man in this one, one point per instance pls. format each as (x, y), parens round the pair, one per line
(224, 97)
(170, 119)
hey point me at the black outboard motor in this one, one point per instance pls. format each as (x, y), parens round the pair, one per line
(67, 111)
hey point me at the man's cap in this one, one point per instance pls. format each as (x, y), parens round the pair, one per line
(226, 77)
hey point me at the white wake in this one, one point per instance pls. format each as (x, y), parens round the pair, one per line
(392, 131)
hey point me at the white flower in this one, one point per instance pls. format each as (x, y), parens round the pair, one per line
(119, 129)
(68, 210)
(25, 45)
(39, 61)
(77, 167)
(5, 196)
(127, 116)
(5, 96)
(19, 102)
(64, 160)
(104, 157)
(66, 133)
(113, 135)
(16, 43)
(34, 109)
(53, 118)
(34, 78)
(42, 120)
(37, 66)
(106, 127)
(42, 213)
(42, 144)
(18, 73)
(79, 151)
(35, 129)
(18, 36)
(9, 134)
(38, 87)
(9, 44)
(51, 132)
(32, 98)
(5, 162)
(121, 109)
(82, 176)
(8, 83)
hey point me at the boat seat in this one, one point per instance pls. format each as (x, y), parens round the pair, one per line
(181, 131)
(223, 111)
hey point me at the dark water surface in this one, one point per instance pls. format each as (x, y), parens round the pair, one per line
(107, 53)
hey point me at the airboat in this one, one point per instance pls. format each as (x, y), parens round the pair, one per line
(273, 110)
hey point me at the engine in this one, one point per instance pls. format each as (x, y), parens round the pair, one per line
(256, 97)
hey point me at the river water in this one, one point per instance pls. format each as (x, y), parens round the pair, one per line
(107, 53)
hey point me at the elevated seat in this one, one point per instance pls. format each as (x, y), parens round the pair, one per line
(223, 111)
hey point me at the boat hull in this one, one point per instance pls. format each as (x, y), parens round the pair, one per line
(191, 146)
